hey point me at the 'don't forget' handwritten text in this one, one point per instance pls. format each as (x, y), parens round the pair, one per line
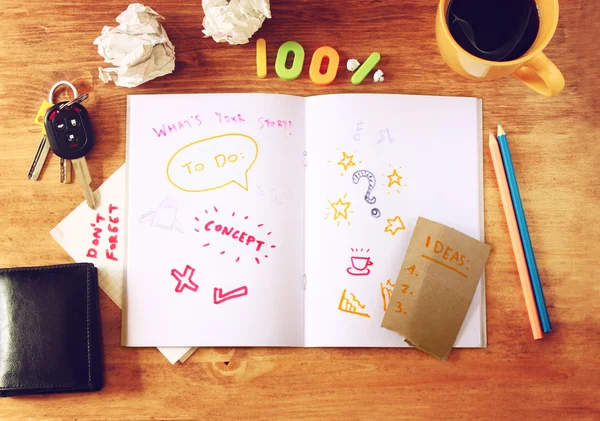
(99, 226)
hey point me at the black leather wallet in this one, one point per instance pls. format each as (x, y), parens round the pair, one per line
(50, 339)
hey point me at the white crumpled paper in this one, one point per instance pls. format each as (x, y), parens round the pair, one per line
(139, 47)
(352, 64)
(234, 21)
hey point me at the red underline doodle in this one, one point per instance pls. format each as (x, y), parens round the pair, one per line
(246, 237)
(359, 264)
(220, 297)
(184, 280)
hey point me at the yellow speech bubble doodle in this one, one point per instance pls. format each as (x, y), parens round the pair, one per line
(212, 163)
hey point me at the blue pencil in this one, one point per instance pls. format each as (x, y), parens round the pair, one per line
(522, 224)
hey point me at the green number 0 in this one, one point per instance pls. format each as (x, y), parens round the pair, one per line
(294, 71)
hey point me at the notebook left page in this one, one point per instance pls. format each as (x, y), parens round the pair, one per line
(215, 220)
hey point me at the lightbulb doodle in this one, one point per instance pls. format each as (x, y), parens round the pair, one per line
(245, 237)
(341, 209)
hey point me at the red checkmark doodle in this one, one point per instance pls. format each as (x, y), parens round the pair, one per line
(182, 282)
(219, 297)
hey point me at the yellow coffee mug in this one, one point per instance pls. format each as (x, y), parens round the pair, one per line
(533, 68)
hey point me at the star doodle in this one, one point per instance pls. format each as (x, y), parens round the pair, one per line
(394, 178)
(340, 204)
(347, 161)
(182, 282)
(394, 225)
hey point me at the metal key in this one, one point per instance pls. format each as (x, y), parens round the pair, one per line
(41, 154)
(72, 102)
(83, 177)
(64, 174)
(39, 158)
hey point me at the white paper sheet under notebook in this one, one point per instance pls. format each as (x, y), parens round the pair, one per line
(86, 236)
(273, 220)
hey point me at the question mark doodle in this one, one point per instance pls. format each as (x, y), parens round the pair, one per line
(368, 198)
(371, 179)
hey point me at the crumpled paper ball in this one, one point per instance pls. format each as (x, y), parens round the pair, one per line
(352, 64)
(234, 21)
(139, 47)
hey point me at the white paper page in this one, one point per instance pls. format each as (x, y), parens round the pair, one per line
(210, 263)
(424, 154)
(85, 236)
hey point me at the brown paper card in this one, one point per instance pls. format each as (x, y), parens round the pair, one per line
(435, 287)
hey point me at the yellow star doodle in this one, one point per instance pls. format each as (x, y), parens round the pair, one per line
(340, 213)
(394, 178)
(394, 225)
(347, 161)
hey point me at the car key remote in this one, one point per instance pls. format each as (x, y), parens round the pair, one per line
(71, 136)
(69, 130)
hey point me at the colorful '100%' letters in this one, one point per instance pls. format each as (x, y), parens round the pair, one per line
(314, 72)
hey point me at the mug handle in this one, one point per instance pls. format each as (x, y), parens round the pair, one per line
(541, 75)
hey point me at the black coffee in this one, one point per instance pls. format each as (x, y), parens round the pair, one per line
(496, 30)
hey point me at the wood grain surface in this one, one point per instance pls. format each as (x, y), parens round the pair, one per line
(555, 146)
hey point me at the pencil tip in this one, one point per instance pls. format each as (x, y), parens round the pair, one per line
(500, 130)
(492, 137)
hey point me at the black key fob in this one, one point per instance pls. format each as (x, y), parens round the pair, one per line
(69, 130)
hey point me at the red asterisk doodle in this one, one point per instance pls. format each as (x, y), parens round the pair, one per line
(184, 280)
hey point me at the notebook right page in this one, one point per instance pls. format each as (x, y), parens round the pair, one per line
(375, 163)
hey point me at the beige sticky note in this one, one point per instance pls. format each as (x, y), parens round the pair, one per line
(435, 287)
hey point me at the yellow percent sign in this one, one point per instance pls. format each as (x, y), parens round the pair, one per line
(212, 163)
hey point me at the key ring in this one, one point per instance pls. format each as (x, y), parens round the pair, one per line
(56, 85)
(74, 101)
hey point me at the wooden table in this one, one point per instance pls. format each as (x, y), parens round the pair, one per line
(557, 158)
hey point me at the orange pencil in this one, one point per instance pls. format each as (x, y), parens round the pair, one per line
(515, 238)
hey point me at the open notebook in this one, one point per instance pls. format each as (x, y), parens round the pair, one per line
(274, 220)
